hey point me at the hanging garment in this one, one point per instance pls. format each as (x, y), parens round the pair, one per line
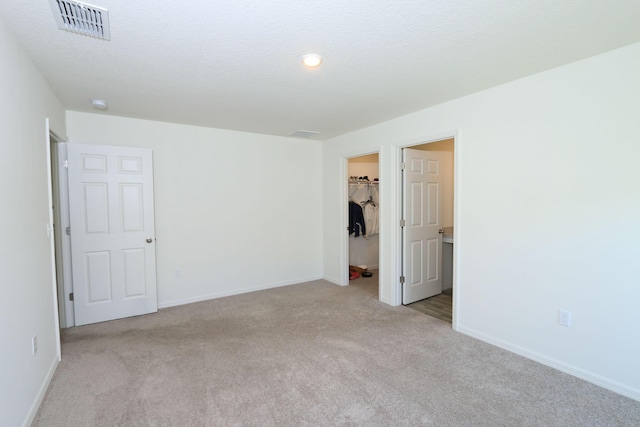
(371, 219)
(356, 220)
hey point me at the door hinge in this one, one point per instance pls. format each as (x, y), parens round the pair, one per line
(401, 279)
(402, 223)
(68, 231)
(403, 165)
(65, 164)
(71, 296)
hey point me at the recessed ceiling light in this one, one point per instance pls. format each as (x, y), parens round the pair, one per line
(312, 60)
(99, 104)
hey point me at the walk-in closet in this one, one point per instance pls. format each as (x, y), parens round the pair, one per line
(364, 220)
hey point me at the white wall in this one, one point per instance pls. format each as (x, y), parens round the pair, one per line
(235, 211)
(547, 212)
(27, 301)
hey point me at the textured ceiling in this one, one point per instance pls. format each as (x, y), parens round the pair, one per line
(236, 64)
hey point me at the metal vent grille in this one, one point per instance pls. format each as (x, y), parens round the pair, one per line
(304, 133)
(81, 18)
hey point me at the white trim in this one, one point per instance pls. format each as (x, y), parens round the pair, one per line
(355, 154)
(58, 228)
(596, 379)
(457, 208)
(55, 136)
(397, 286)
(33, 410)
(434, 137)
(65, 244)
(52, 240)
(382, 232)
(215, 295)
(344, 222)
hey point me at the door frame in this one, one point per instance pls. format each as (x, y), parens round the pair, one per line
(456, 291)
(63, 241)
(50, 138)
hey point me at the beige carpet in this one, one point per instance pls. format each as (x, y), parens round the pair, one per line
(311, 354)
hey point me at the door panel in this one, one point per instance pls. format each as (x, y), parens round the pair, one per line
(111, 217)
(416, 204)
(416, 254)
(95, 208)
(134, 277)
(432, 257)
(422, 210)
(131, 205)
(98, 276)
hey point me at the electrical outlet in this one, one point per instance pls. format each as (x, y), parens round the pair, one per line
(34, 345)
(178, 273)
(564, 317)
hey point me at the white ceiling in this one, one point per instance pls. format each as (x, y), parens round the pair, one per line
(236, 64)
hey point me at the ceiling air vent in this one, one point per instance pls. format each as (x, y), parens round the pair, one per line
(304, 133)
(81, 18)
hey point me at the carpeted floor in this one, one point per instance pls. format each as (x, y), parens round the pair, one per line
(310, 354)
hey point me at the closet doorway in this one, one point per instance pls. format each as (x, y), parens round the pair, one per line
(363, 227)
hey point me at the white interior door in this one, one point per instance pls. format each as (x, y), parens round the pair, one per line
(422, 213)
(112, 232)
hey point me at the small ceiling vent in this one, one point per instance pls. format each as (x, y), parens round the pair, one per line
(81, 18)
(304, 133)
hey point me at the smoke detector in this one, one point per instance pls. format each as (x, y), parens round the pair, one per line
(99, 104)
(81, 18)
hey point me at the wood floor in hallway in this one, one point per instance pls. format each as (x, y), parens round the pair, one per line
(438, 306)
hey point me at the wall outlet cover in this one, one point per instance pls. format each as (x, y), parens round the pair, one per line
(564, 317)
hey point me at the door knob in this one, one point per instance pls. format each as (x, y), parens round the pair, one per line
(149, 240)
(441, 231)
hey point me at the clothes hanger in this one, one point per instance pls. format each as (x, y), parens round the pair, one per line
(370, 200)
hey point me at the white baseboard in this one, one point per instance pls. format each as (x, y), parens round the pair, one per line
(215, 295)
(591, 377)
(43, 390)
(332, 280)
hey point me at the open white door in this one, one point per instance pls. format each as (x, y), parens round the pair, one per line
(422, 232)
(112, 232)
